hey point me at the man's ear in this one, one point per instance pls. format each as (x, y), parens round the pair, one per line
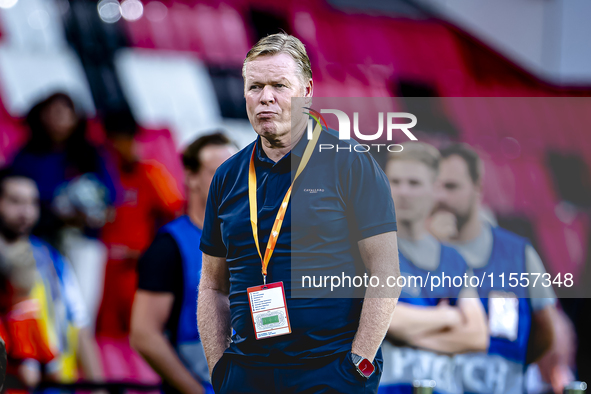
(478, 186)
(309, 89)
(190, 179)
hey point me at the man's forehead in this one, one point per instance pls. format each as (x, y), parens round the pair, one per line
(409, 167)
(20, 186)
(271, 67)
(454, 167)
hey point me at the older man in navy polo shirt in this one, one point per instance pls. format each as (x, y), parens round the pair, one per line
(261, 220)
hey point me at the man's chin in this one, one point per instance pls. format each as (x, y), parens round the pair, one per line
(12, 234)
(23, 232)
(271, 133)
(402, 216)
(266, 129)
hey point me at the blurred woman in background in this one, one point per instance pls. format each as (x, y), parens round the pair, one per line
(58, 152)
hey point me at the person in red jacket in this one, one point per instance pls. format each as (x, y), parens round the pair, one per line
(150, 197)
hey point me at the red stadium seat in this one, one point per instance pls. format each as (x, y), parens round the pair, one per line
(216, 32)
(159, 146)
(534, 192)
(13, 135)
(140, 33)
(563, 245)
(122, 363)
(499, 185)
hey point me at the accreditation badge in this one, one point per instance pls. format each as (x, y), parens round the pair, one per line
(503, 315)
(268, 310)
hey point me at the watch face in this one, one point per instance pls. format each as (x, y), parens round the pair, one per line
(365, 367)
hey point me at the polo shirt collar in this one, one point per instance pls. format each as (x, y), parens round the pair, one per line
(297, 150)
(300, 147)
(261, 156)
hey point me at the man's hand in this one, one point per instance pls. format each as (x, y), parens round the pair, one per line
(213, 308)
(443, 226)
(452, 316)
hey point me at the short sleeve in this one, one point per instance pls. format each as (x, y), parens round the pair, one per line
(160, 268)
(540, 296)
(211, 238)
(369, 197)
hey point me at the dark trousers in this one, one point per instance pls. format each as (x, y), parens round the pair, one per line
(337, 374)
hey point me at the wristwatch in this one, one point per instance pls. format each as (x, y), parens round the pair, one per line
(363, 365)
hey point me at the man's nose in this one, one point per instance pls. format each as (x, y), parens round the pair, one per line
(267, 96)
(29, 211)
(442, 197)
(439, 193)
(404, 189)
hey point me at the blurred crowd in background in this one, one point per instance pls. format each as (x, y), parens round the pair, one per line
(97, 99)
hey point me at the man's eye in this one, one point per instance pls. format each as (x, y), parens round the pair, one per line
(252, 87)
(279, 85)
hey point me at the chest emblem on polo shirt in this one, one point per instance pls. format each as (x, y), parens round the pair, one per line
(313, 191)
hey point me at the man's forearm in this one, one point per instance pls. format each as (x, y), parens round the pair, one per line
(213, 316)
(373, 325)
(410, 321)
(88, 356)
(542, 332)
(158, 352)
(380, 256)
(471, 336)
(454, 341)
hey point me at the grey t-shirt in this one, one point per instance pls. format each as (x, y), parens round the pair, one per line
(477, 253)
(424, 253)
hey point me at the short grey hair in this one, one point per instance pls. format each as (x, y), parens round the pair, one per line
(420, 152)
(282, 43)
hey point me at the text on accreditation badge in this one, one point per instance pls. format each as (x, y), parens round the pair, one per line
(268, 310)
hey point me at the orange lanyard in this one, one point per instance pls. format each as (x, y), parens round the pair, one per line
(252, 199)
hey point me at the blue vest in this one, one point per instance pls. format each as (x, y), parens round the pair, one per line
(451, 264)
(508, 256)
(402, 364)
(188, 344)
(502, 368)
